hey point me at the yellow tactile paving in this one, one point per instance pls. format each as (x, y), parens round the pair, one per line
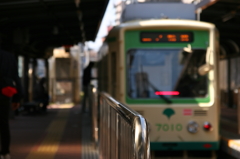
(49, 145)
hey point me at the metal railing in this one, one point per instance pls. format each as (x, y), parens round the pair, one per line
(123, 133)
(93, 103)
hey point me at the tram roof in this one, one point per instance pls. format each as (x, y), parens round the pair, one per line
(31, 26)
(225, 14)
(157, 22)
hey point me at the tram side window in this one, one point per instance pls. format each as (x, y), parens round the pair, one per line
(113, 73)
(103, 78)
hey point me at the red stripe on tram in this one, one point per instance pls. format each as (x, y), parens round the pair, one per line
(167, 93)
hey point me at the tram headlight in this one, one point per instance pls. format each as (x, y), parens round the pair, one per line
(192, 127)
(207, 126)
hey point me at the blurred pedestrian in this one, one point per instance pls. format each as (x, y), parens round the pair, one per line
(87, 76)
(10, 95)
(40, 94)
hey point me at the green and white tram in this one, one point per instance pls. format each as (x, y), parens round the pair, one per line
(167, 71)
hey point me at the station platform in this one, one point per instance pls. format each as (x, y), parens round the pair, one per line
(230, 136)
(61, 133)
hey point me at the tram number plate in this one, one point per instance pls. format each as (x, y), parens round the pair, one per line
(169, 127)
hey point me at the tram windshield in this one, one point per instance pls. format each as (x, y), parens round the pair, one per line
(166, 72)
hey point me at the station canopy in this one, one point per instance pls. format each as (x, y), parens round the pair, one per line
(33, 26)
(225, 14)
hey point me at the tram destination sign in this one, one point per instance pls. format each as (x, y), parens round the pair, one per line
(166, 37)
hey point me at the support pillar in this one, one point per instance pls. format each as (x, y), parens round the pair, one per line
(26, 79)
(47, 74)
(230, 94)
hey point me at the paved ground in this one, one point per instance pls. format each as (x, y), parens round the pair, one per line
(61, 133)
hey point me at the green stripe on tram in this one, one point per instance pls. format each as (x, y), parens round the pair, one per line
(184, 145)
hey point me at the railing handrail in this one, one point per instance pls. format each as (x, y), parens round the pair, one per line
(139, 127)
(121, 108)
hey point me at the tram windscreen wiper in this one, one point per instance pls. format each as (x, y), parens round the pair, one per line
(166, 99)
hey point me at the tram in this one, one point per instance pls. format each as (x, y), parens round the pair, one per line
(167, 70)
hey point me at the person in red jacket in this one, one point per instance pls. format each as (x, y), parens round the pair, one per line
(9, 97)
